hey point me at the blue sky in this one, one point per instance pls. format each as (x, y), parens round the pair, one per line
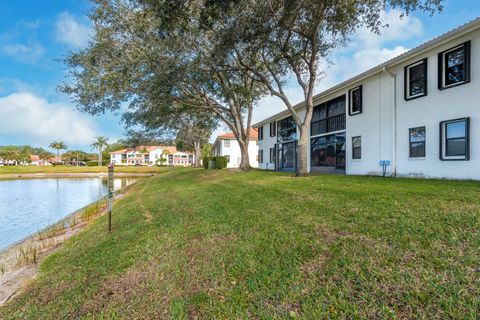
(35, 34)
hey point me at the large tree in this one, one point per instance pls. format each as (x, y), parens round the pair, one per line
(281, 40)
(152, 54)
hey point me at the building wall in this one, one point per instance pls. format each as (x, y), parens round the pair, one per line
(385, 132)
(265, 144)
(155, 155)
(428, 111)
(116, 158)
(233, 151)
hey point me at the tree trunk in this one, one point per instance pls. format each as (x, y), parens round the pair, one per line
(198, 154)
(58, 155)
(100, 157)
(302, 153)
(245, 161)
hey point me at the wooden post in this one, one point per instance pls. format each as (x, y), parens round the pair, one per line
(110, 196)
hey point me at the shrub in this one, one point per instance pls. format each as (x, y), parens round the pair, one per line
(221, 162)
(205, 162)
(92, 163)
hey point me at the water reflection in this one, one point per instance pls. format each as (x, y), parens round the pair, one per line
(30, 205)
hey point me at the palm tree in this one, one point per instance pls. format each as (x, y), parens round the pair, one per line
(99, 144)
(58, 145)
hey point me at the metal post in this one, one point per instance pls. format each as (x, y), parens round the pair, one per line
(110, 196)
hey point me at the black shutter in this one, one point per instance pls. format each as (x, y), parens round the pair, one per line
(467, 47)
(440, 71)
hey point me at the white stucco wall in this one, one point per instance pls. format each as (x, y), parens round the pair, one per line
(265, 145)
(376, 124)
(155, 155)
(116, 158)
(233, 151)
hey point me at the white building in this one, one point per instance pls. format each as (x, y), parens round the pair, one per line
(150, 155)
(418, 113)
(227, 145)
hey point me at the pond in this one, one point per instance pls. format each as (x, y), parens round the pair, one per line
(30, 205)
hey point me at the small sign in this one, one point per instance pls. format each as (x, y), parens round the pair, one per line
(110, 196)
(384, 163)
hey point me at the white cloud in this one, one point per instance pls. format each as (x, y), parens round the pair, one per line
(399, 28)
(71, 32)
(22, 52)
(40, 122)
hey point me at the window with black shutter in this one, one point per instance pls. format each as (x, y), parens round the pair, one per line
(415, 80)
(355, 101)
(273, 129)
(455, 139)
(454, 66)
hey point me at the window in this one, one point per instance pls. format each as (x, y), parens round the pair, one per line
(226, 143)
(454, 66)
(287, 156)
(272, 155)
(416, 80)
(355, 101)
(273, 129)
(328, 151)
(357, 147)
(260, 133)
(454, 135)
(287, 130)
(329, 116)
(260, 156)
(417, 142)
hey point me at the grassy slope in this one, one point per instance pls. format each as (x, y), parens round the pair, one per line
(219, 244)
(69, 169)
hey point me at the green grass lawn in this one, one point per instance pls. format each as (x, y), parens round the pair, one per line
(72, 169)
(231, 245)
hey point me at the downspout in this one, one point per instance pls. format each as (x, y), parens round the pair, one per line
(394, 121)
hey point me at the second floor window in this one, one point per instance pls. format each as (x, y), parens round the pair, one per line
(329, 116)
(226, 143)
(273, 129)
(355, 101)
(454, 66)
(260, 133)
(416, 80)
(287, 130)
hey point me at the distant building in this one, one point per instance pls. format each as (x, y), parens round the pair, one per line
(151, 155)
(36, 161)
(227, 145)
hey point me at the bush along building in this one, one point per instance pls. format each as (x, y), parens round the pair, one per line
(415, 115)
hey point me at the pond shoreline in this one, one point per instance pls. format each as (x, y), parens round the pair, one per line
(20, 261)
(72, 175)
